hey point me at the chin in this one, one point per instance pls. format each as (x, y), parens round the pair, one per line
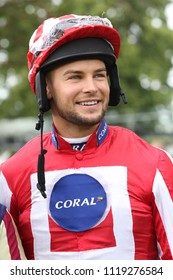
(90, 121)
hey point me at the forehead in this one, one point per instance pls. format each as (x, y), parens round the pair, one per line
(82, 65)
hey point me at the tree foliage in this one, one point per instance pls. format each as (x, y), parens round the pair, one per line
(144, 62)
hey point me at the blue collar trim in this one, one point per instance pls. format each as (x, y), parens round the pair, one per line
(101, 134)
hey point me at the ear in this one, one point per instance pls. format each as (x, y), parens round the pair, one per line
(48, 89)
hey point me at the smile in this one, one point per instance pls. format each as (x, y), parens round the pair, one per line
(88, 103)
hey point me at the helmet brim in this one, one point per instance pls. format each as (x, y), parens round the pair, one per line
(80, 49)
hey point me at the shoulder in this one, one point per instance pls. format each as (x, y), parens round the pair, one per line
(138, 145)
(32, 146)
(27, 153)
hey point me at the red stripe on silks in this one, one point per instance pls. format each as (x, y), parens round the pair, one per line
(162, 237)
(98, 237)
(11, 237)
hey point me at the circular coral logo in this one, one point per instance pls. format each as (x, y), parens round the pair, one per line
(77, 202)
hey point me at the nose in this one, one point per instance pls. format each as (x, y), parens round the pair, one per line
(89, 85)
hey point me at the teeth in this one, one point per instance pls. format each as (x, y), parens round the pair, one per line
(88, 103)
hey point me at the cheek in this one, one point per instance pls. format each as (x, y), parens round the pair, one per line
(106, 89)
(70, 92)
(62, 98)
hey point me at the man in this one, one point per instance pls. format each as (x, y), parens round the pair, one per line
(99, 192)
(10, 243)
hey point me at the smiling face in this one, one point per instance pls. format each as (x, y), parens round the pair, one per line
(79, 94)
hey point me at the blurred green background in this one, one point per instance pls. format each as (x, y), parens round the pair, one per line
(145, 66)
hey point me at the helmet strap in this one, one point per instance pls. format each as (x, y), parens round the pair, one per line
(40, 166)
(40, 89)
(115, 88)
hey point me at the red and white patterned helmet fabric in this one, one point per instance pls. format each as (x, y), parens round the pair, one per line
(54, 32)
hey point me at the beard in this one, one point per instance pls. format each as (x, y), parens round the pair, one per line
(77, 118)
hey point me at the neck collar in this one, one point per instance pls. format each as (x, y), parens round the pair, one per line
(100, 134)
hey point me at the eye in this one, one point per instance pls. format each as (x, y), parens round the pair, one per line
(101, 75)
(74, 77)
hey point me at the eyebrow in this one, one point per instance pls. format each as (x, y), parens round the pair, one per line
(80, 72)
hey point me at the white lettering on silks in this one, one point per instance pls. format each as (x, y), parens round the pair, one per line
(75, 202)
(102, 133)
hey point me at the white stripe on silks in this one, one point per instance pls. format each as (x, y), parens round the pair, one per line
(122, 215)
(6, 194)
(39, 221)
(114, 181)
(164, 204)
